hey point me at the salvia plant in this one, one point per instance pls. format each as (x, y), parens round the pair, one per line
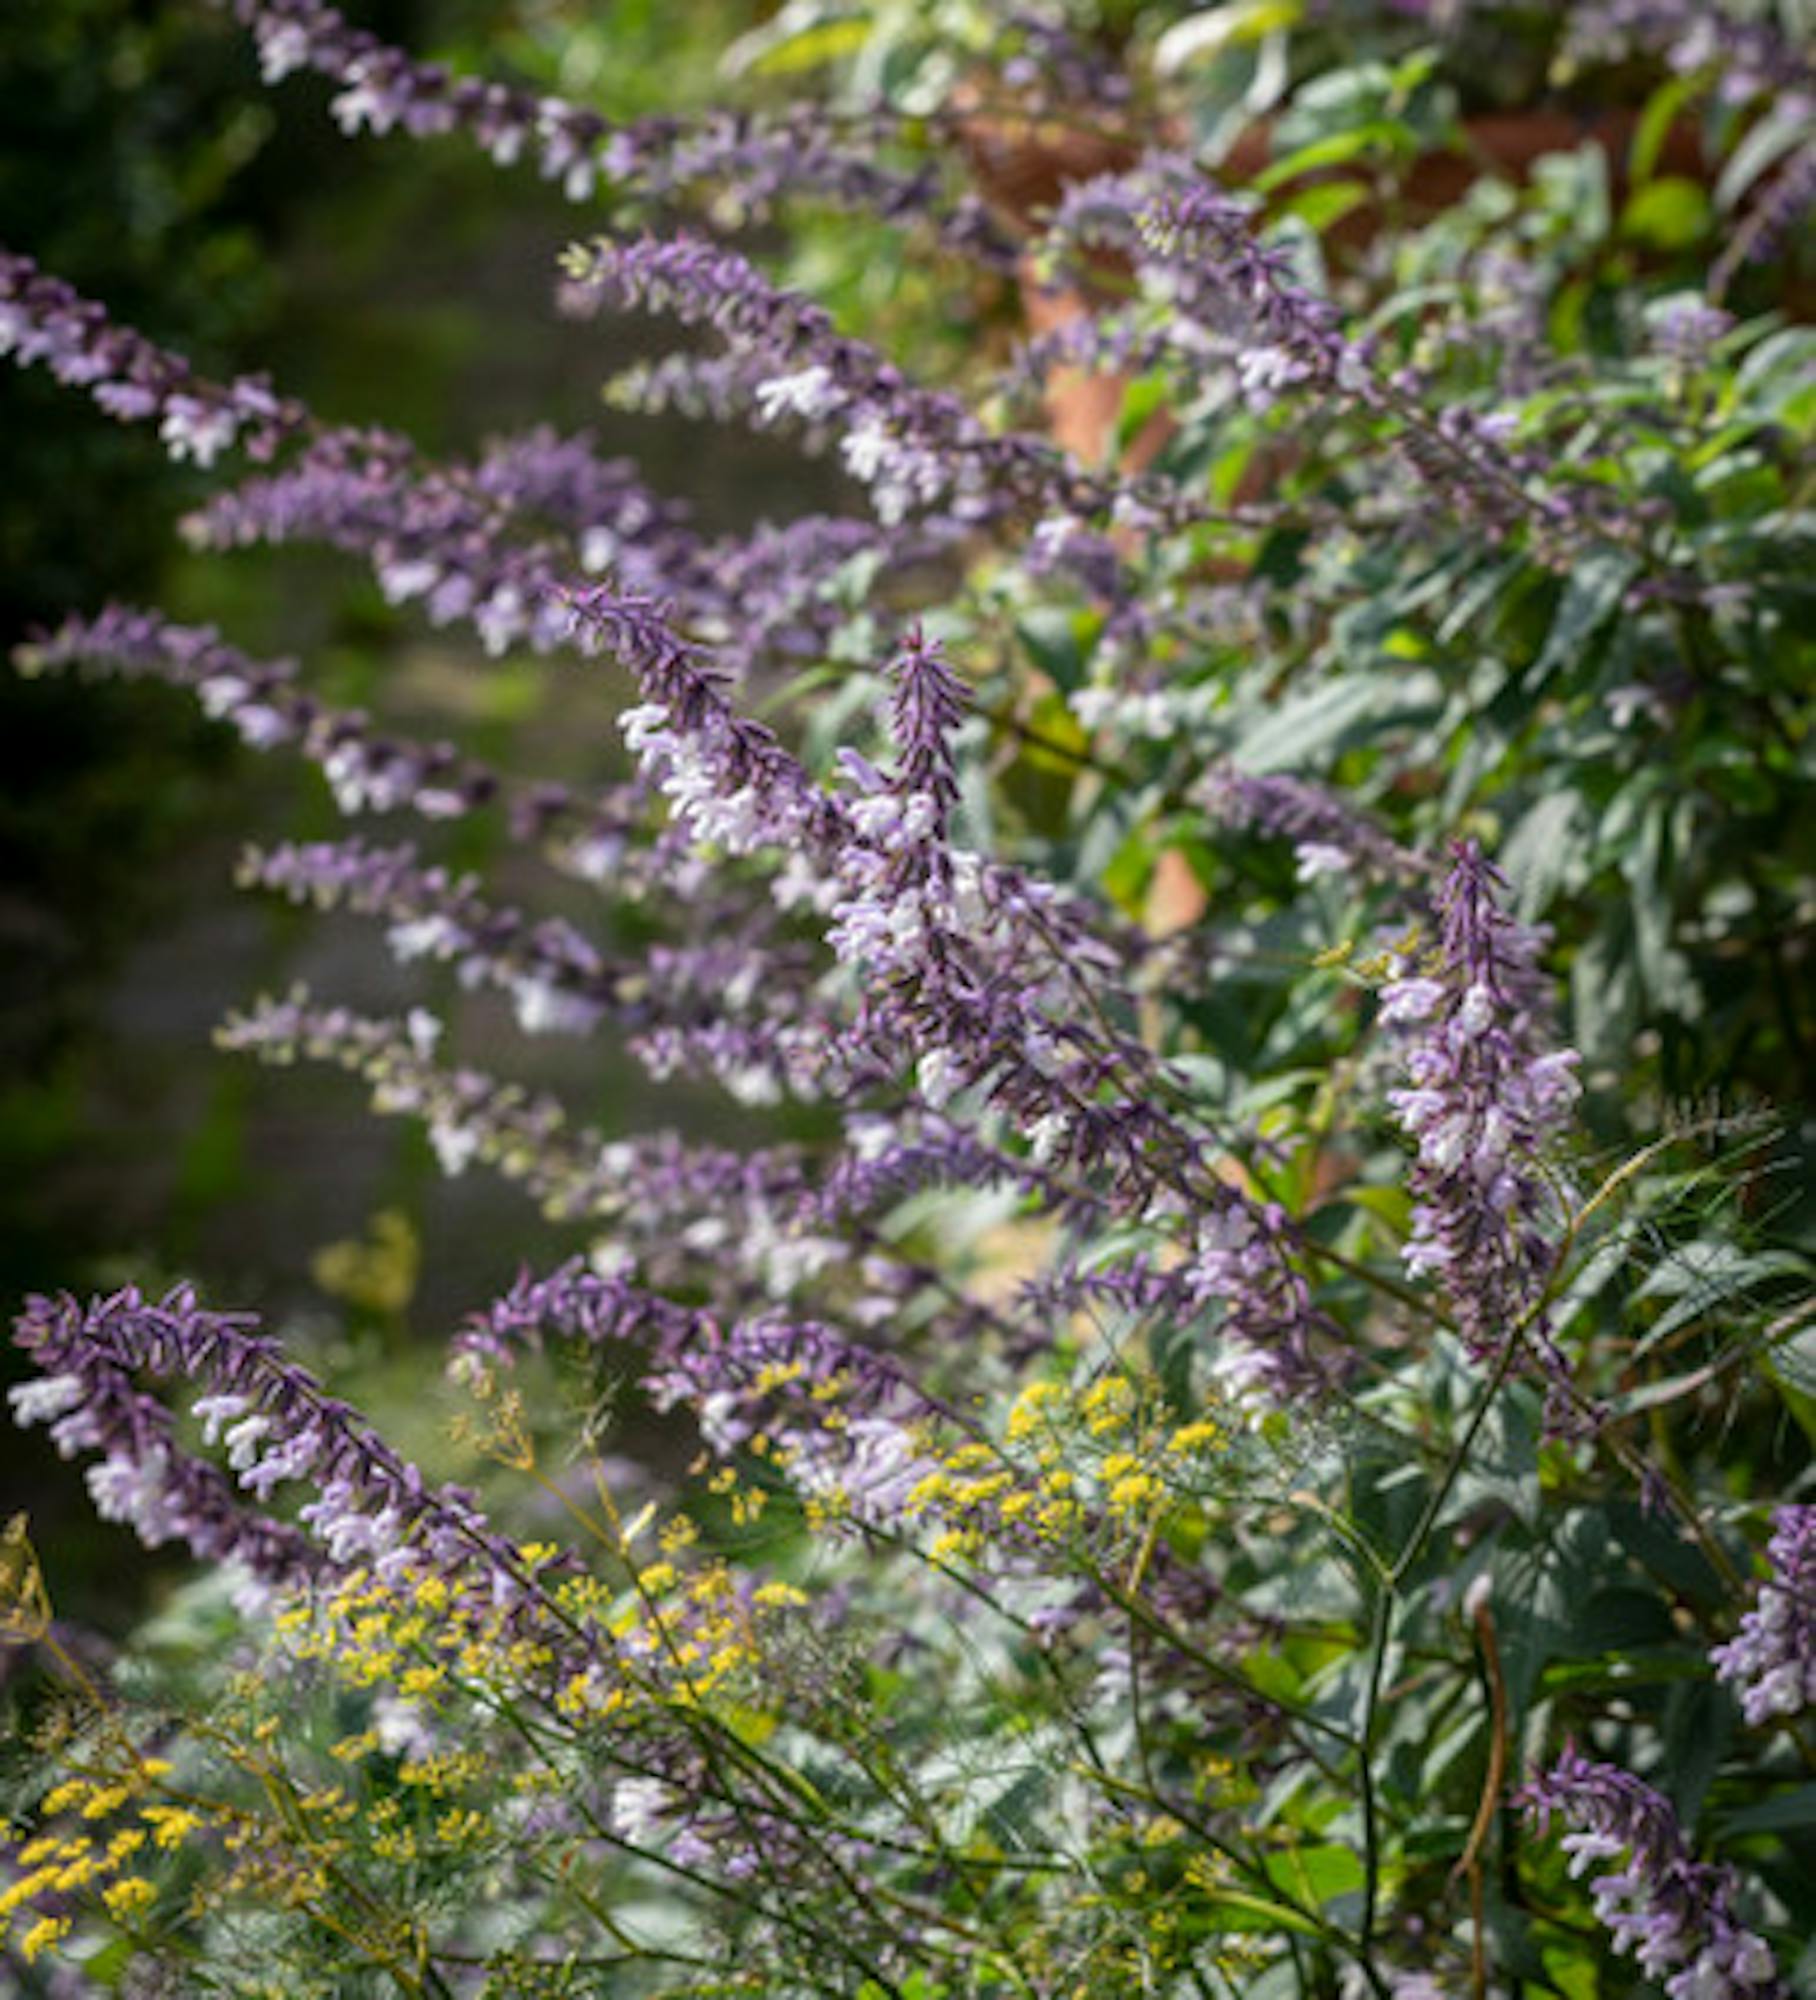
(1253, 1425)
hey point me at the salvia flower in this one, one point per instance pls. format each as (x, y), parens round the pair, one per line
(1484, 1103)
(1675, 1915)
(278, 1425)
(755, 161)
(367, 772)
(1328, 835)
(652, 1190)
(46, 323)
(913, 447)
(1771, 1661)
(145, 1478)
(1746, 55)
(1235, 304)
(558, 982)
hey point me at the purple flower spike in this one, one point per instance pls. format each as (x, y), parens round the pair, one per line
(1771, 1660)
(594, 835)
(145, 1479)
(1483, 1101)
(756, 163)
(46, 323)
(278, 1426)
(1674, 1914)
(930, 702)
(1329, 837)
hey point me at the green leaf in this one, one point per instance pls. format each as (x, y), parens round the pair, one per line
(1202, 37)
(1798, 411)
(1064, 742)
(1591, 597)
(1620, 1622)
(1304, 728)
(1237, 1910)
(1125, 880)
(1757, 153)
(1668, 214)
(1543, 854)
(1337, 150)
(1791, 1369)
(1316, 1875)
(1389, 1208)
(1572, 1973)
(804, 34)
(1050, 634)
(1701, 1276)
(1650, 866)
(1782, 1814)
(814, 49)
(1619, 1673)
(1661, 113)
(1699, 1725)
(1142, 400)
(1324, 206)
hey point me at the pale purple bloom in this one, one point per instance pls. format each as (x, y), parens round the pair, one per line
(370, 1505)
(759, 161)
(1329, 835)
(90, 1399)
(913, 447)
(45, 322)
(1236, 308)
(651, 1189)
(1747, 53)
(366, 771)
(1771, 1661)
(1484, 1103)
(1674, 1914)
(1685, 326)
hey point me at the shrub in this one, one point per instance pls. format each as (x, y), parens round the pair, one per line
(1253, 1433)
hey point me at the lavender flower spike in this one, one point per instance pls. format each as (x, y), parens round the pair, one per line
(1328, 836)
(90, 1401)
(1674, 1914)
(278, 1426)
(755, 163)
(1771, 1660)
(45, 322)
(1483, 1100)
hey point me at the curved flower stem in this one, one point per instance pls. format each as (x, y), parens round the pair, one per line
(1387, 1598)
(1470, 1862)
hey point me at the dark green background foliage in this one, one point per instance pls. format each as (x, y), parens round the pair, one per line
(142, 158)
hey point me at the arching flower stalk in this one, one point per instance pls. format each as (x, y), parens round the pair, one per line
(1675, 1915)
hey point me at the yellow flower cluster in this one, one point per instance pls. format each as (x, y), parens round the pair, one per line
(976, 1492)
(674, 1636)
(1073, 1460)
(87, 1858)
(411, 1634)
(1115, 1434)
